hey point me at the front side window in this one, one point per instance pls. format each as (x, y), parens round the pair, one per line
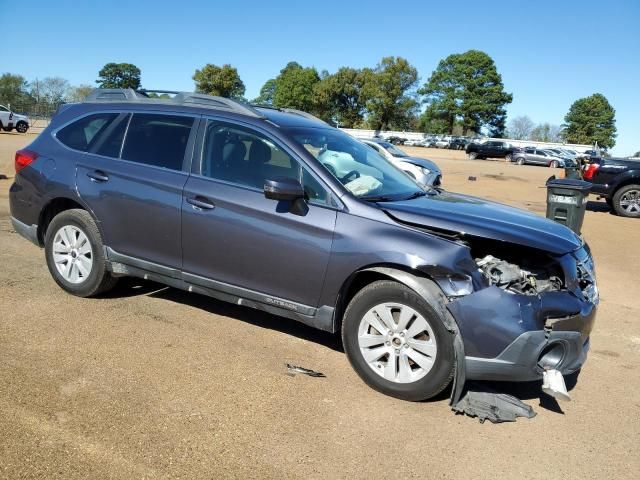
(81, 134)
(363, 171)
(158, 140)
(246, 157)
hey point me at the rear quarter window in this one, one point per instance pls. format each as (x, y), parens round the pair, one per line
(81, 134)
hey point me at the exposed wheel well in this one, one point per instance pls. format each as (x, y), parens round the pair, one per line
(53, 208)
(357, 282)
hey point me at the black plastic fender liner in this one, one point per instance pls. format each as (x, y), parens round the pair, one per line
(429, 290)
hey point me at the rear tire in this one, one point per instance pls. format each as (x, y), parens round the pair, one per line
(520, 161)
(473, 155)
(508, 157)
(411, 358)
(75, 254)
(626, 201)
(553, 164)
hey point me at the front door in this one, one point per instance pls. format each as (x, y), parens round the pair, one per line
(239, 239)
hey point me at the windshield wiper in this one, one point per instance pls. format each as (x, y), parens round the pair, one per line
(379, 198)
(419, 193)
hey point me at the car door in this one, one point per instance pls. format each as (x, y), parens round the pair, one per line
(132, 179)
(238, 241)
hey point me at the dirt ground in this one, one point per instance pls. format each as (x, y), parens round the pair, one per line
(152, 382)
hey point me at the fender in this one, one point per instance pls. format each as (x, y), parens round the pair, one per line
(624, 178)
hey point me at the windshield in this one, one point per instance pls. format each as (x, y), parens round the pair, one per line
(393, 150)
(362, 170)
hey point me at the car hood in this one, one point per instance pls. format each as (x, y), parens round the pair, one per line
(420, 162)
(482, 218)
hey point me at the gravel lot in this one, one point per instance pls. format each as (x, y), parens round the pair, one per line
(152, 382)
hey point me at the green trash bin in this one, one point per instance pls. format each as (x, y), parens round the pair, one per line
(567, 201)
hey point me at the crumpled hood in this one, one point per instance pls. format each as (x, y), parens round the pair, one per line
(421, 162)
(482, 218)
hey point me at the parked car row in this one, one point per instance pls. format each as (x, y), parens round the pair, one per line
(452, 142)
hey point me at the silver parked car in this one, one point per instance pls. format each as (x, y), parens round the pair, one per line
(422, 170)
(536, 156)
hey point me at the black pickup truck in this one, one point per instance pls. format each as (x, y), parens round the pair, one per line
(618, 181)
(491, 149)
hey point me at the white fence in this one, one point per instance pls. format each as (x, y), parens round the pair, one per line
(362, 133)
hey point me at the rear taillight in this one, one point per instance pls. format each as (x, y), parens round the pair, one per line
(24, 158)
(590, 171)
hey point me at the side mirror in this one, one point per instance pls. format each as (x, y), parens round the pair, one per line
(283, 188)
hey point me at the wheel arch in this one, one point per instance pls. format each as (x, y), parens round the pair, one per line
(57, 205)
(422, 283)
(632, 179)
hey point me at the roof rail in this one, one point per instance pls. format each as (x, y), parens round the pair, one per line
(181, 98)
(292, 110)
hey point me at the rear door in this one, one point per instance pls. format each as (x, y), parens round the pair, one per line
(235, 239)
(132, 178)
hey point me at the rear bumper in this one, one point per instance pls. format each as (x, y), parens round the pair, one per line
(30, 232)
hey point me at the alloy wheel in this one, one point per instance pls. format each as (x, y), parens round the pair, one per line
(397, 342)
(72, 254)
(630, 201)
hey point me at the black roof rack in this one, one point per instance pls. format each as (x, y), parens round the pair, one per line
(290, 110)
(181, 98)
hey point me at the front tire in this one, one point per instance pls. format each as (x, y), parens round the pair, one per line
(75, 254)
(520, 161)
(22, 127)
(397, 342)
(554, 164)
(473, 155)
(508, 157)
(626, 201)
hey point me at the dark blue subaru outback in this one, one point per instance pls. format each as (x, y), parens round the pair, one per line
(276, 210)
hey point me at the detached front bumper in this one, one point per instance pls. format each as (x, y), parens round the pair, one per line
(515, 337)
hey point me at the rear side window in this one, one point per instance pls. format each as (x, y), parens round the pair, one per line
(110, 142)
(159, 140)
(81, 134)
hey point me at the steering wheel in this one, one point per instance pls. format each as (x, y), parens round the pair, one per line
(345, 179)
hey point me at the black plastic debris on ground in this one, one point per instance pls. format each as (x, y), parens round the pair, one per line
(292, 370)
(472, 179)
(492, 406)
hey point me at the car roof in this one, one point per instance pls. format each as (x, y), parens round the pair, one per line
(201, 103)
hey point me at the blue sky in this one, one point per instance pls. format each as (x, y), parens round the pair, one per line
(549, 52)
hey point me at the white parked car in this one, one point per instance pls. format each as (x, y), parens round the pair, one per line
(10, 120)
(422, 170)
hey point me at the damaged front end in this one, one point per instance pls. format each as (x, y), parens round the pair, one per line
(528, 317)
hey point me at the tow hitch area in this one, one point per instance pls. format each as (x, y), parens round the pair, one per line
(553, 384)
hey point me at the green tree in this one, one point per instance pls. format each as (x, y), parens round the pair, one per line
(221, 81)
(389, 94)
(591, 119)
(78, 93)
(294, 87)
(266, 93)
(339, 97)
(436, 119)
(119, 75)
(13, 89)
(467, 86)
